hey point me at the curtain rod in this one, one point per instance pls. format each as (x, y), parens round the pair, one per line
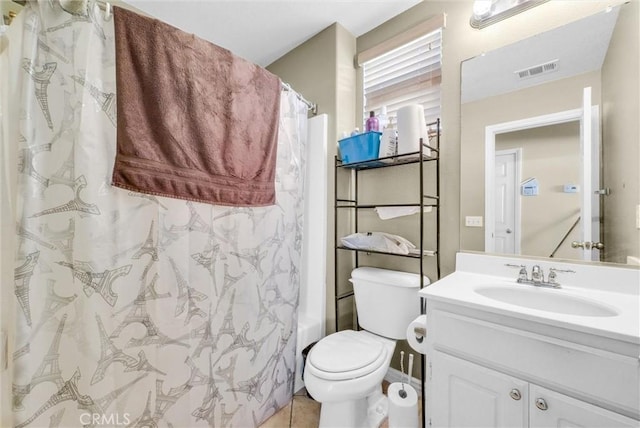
(313, 108)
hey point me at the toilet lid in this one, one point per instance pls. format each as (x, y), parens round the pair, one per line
(347, 351)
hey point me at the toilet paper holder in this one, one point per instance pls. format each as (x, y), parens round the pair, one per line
(420, 333)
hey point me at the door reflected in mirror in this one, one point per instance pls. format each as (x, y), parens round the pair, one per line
(531, 183)
(530, 219)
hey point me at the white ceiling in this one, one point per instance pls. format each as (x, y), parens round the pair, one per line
(264, 30)
(579, 47)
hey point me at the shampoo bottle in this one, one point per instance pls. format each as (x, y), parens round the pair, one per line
(372, 123)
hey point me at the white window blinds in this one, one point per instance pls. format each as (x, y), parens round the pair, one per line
(409, 74)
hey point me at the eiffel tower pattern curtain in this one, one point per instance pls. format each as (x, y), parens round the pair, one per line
(130, 309)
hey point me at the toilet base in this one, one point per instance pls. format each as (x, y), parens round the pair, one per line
(368, 412)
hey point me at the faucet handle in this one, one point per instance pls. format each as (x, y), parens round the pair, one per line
(522, 275)
(553, 275)
(562, 270)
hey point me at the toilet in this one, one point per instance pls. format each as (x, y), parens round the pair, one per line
(344, 371)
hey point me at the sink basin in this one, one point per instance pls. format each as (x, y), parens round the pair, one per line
(546, 300)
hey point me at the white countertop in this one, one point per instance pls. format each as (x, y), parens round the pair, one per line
(624, 298)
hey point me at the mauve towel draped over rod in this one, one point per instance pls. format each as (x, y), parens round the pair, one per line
(195, 121)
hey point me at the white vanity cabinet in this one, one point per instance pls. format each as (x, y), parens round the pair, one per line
(551, 409)
(469, 395)
(463, 394)
(504, 354)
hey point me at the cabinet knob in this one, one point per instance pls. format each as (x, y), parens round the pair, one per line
(515, 394)
(541, 404)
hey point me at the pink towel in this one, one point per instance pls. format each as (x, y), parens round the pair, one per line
(195, 121)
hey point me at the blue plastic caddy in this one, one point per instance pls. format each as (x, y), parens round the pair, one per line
(361, 147)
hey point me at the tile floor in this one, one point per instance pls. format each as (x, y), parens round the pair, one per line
(303, 412)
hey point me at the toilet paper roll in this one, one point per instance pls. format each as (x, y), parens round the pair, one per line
(403, 412)
(418, 341)
(411, 127)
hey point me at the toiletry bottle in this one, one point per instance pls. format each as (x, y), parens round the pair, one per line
(388, 142)
(383, 119)
(355, 132)
(372, 123)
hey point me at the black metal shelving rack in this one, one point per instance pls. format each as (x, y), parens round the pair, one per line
(420, 158)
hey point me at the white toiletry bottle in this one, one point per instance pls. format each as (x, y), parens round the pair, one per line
(383, 119)
(388, 141)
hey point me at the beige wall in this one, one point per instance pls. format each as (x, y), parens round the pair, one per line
(561, 95)
(321, 69)
(547, 217)
(621, 141)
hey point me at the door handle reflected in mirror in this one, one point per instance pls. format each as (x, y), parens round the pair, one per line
(587, 245)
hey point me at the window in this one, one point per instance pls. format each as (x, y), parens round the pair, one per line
(409, 74)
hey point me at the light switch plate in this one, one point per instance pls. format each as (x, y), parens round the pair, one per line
(571, 188)
(473, 221)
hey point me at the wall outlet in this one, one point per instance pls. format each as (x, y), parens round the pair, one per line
(473, 221)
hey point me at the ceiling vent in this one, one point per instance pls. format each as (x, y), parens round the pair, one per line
(537, 70)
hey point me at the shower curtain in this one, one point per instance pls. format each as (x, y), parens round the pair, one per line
(131, 309)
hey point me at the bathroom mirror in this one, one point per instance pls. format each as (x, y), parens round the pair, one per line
(536, 167)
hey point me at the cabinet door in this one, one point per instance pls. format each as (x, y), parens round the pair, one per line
(558, 410)
(462, 394)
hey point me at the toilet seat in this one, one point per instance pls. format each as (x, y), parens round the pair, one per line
(346, 355)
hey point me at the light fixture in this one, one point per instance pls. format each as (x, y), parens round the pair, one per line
(487, 12)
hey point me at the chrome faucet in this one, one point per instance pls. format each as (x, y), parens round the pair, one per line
(537, 276)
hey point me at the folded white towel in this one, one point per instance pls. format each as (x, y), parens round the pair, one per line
(378, 241)
(386, 213)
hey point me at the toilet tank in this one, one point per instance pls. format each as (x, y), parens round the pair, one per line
(386, 300)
